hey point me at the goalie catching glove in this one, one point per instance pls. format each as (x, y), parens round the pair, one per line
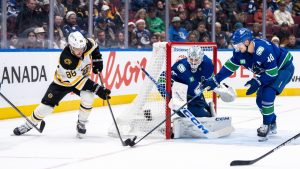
(227, 93)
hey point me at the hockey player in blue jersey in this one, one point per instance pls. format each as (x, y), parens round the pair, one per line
(191, 71)
(272, 66)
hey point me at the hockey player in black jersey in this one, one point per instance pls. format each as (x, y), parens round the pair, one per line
(76, 61)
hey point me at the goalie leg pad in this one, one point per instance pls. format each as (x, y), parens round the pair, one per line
(86, 105)
(217, 126)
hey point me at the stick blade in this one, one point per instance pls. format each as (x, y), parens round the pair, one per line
(42, 126)
(241, 162)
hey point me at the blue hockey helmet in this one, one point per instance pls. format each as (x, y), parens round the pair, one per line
(241, 35)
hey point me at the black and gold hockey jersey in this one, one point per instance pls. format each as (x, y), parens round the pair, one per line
(74, 71)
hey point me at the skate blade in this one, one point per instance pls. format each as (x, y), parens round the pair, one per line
(262, 139)
(80, 136)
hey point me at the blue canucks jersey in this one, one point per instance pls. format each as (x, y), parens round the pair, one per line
(181, 72)
(265, 62)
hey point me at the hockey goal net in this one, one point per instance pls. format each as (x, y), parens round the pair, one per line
(150, 107)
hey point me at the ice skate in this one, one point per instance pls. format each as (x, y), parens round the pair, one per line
(265, 130)
(22, 129)
(81, 130)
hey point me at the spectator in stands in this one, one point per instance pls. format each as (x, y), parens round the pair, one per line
(40, 33)
(221, 41)
(219, 32)
(186, 22)
(176, 32)
(275, 40)
(289, 6)
(58, 41)
(252, 7)
(154, 23)
(207, 10)
(258, 15)
(256, 33)
(14, 41)
(45, 12)
(201, 31)
(11, 25)
(58, 23)
(283, 34)
(296, 8)
(59, 8)
(28, 17)
(140, 14)
(192, 37)
(101, 25)
(292, 43)
(106, 15)
(281, 15)
(272, 4)
(119, 17)
(133, 42)
(131, 33)
(223, 19)
(71, 5)
(230, 9)
(154, 39)
(120, 42)
(102, 40)
(200, 17)
(142, 34)
(206, 38)
(160, 6)
(71, 24)
(138, 4)
(31, 41)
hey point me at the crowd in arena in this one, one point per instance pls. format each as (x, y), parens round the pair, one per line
(190, 21)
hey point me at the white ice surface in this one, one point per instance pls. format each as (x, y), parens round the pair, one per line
(57, 147)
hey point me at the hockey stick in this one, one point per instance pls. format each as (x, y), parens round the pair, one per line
(42, 125)
(249, 162)
(127, 141)
(183, 110)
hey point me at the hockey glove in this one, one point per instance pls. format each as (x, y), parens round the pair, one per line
(97, 65)
(102, 92)
(211, 83)
(254, 84)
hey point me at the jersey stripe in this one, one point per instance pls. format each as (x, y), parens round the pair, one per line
(272, 72)
(231, 66)
(287, 58)
(267, 110)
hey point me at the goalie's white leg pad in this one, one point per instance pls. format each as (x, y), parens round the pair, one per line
(217, 126)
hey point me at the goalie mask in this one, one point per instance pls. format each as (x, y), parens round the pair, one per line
(195, 57)
(77, 43)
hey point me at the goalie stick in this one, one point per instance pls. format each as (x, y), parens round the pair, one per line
(249, 162)
(127, 141)
(183, 110)
(42, 125)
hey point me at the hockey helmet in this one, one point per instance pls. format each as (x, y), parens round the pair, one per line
(241, 35)
(195, 57)
(77, 41)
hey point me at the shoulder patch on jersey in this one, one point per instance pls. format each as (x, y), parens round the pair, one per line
(191, 79)
(259, 50)
(242, 61)
(181, 68)
(68, 61)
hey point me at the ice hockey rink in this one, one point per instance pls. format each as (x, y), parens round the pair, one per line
(58, 148)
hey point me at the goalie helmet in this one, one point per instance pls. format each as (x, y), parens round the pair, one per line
(77, 43)
(195, 57)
